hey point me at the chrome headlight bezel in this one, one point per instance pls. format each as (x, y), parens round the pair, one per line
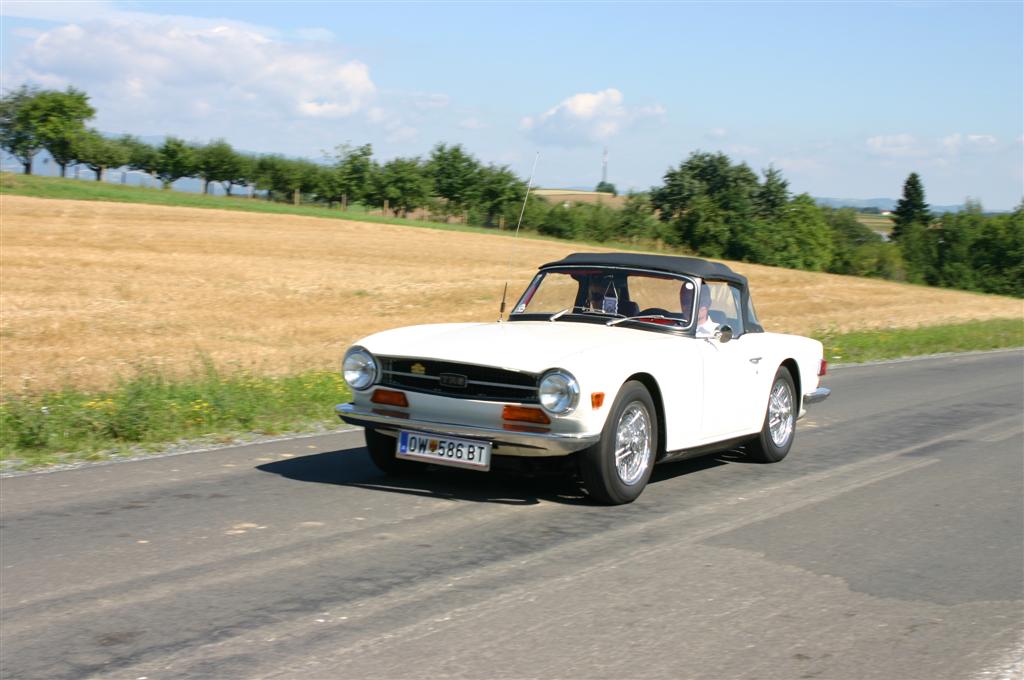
(359, 368)
(562, 392)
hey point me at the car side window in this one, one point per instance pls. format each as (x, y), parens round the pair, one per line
(726, 306)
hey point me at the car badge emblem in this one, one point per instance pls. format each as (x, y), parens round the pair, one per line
(453, 380)
(418, 369)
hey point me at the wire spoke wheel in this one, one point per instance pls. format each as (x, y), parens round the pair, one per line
(780, 413)
(633, 444)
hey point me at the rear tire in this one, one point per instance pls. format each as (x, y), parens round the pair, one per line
(779, 428)
(616, 469)
(382, 452)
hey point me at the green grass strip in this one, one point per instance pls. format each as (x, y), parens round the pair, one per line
(862, 346)
(83, 190)
(149, 412)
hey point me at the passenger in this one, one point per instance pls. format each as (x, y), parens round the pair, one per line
(706, 328)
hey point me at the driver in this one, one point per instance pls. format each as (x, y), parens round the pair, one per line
(599, 288)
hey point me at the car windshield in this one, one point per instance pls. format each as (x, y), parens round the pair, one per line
(611, 294)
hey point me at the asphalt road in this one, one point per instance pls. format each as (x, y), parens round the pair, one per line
(889, 544)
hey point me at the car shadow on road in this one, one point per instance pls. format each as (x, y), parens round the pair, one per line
(352, 467)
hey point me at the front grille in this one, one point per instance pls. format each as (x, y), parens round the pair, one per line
(462, 381)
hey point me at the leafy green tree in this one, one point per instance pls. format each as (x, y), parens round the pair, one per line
(287, 177)
(217, 162)
(19, 125)
(498, 188)
(606, 188)
(403, 183)
(911, 207)
(877, 260)
(848, 235)
(141, 156)
(535, 213)
(562, 221)
(350, 179)
(981, 252)
(244, 169)
(175, 159)
(704, 227)
(454, 174)
(636, 219)
(772, 196)
(999, 254)
(919, 246)
(99, 153)
(709, 202)
(60, 121)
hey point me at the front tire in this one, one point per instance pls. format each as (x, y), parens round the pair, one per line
(617, 468)
(779, 428)
(382, 452)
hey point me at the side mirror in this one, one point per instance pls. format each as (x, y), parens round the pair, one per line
(725, 334)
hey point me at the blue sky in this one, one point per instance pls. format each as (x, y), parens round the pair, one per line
(846, 98)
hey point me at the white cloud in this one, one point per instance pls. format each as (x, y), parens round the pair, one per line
(585, 118)
(941, 153)
(957, 143)
(472, 124)
(167, 65)
(896, 146)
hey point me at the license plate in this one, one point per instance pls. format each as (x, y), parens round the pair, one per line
(444, 450)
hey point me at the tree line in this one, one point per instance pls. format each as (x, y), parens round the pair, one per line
(706, 205)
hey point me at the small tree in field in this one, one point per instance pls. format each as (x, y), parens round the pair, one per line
(141, 156)
(61, 123)
(99, 153)
(216, 162)
(19, 125)
(403, 183)
(349, 180)
(454, 174)
(175, 159)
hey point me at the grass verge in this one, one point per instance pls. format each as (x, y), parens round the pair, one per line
(149, 412)
(858, 347)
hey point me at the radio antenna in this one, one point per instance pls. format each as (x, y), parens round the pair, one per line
(508, 275)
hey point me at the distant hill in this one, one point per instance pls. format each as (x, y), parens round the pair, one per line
(880, 203)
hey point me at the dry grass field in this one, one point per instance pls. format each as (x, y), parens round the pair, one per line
(90, 291)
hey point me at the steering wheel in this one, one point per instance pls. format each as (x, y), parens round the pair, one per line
(653, 311)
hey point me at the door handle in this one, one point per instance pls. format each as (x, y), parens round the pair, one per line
(755, 360)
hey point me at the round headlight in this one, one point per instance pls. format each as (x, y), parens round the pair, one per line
(359, 368)
(559, 392)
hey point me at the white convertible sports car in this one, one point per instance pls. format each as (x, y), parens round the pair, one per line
(612, 361)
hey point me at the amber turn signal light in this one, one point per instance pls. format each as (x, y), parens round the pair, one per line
(389, 397)
(596, 399)
(525, 414)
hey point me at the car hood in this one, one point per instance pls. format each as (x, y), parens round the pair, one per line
(532, 346)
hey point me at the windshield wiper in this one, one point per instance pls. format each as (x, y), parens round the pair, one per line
(615, 322)
(558, 314)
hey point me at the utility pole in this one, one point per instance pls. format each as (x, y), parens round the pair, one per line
(604, 166)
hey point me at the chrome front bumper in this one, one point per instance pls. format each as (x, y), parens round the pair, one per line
(506, 442)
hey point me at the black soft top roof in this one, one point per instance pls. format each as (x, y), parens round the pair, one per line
(665, 263)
